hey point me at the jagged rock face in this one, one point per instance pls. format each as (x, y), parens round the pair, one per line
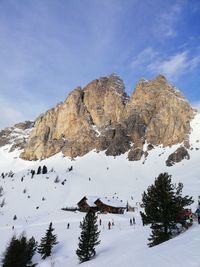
(72, 127)
(16, 135)
(101, 116)
(180, 154)
(105, 100)
(166, 112)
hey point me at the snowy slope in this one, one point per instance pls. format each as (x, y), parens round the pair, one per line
(38, 201)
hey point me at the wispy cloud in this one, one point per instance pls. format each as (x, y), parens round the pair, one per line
(176, 65)
(173, 66)
(44, 47)
(46, 50)
(165, 23)
(144, 57)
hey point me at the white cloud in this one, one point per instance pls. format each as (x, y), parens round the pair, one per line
(176, 65)
(144, 57)
(165, 26)
(173, 66)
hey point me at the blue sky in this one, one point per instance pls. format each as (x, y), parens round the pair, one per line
(48, 47)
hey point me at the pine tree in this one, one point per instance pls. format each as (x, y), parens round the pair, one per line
(30, 250)
(44, 170)
(89, 237)
(19, 252)
(47, 242)
(39, 170)
(32, 173)
(163, 204)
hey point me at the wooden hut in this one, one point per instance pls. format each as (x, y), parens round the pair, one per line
(87, 203)
(104, 205)
(110, 205)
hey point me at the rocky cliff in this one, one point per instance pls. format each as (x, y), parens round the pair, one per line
(16, 136)
(101, 116)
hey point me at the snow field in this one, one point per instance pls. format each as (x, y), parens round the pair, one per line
(109, 176)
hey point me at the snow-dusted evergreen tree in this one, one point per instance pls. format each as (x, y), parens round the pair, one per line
(47, 242)
(20, 252)
(44, 169)
(163, 204)
(89, 237)
(39, 170)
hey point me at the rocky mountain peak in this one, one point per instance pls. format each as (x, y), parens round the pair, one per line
(108, 83)
(161, 78)
(163, 108)
(155, 88)
(100, 116)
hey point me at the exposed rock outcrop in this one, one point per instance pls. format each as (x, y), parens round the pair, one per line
(101, 116)
(180, 154)
(165, 111)
(135, 154)
(16, 135)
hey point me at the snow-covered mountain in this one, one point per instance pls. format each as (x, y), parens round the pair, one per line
(101, 116)
(38, 200)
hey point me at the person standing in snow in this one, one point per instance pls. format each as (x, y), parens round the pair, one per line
(100, 222)
(133, 220)
(131, 223)
(68, 225)
(143, 223)
(198, 215)
(109, 225)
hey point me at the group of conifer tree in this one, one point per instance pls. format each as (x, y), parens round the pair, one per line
(20, 251)
(163, 204)
(42, 170)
